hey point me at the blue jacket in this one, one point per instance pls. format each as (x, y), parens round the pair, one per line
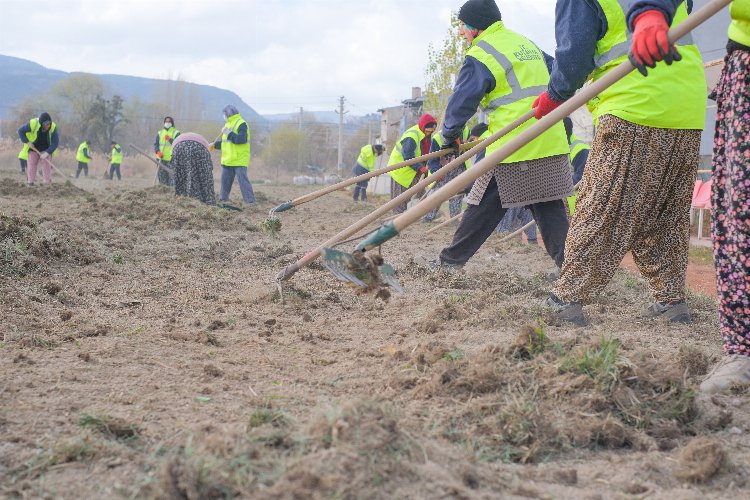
(474, 82)
(42, 142)
(667, 7)
(579, 24)
(239, 138)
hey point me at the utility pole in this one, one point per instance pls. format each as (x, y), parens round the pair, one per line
(341, 113)
(299, 121)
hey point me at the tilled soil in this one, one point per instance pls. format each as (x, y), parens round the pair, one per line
(147, 353)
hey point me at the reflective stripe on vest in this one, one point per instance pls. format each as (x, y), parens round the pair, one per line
(235, 155)
(672, 97)
(621, 48)
(116, 156)
(405, 175)
(517, 92)
(520, 76)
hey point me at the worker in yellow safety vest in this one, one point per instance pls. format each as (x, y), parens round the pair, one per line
(115, 160)
(647, 137)
(235, 155)
(40, 137)
(365, 163)
(502, 73)
(163, 149)
(83, 157)
(414, 143)
(23, 158)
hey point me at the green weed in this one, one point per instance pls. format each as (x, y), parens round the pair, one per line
(601, 363)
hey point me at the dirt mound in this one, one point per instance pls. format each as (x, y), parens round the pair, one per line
(158, 207)
(27, 246)
(536, 398)
(12, 187)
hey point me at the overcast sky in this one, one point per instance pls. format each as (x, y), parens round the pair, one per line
(275, 54)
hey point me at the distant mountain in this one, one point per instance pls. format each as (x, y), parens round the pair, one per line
(20, 78)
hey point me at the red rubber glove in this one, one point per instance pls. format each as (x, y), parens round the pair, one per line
(651, 41)
(167, 138)
(544, 105)
(159, 154)
(423, 170)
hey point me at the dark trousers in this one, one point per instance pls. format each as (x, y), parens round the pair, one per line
(164, 177)
(361, 187)
(479, 221)
(23, 165)
(114, 168)
(84, 167)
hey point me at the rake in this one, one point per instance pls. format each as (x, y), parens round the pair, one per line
(341, 265)
(312, 255)
(288, 205)
(158, 163)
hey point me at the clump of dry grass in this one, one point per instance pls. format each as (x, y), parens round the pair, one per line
(534, 398)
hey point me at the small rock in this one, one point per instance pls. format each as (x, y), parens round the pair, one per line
(84, 356)
(270, 322)
(307, 317)
(66, 315)
(735, 430)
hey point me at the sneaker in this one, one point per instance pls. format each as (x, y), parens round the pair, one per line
(673, 313)
(569, 312)
(732, 370)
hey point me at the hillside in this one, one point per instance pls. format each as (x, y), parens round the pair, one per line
(20, 78)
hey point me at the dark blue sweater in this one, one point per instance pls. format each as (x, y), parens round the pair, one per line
(239, 138)
(474, 82)
(43, 140)
(579, 24)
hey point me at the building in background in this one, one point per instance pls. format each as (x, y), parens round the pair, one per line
(395, 120)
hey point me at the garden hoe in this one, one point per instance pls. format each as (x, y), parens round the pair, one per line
(272, 224)
(159, 164)
(358, 265)
(361, 267)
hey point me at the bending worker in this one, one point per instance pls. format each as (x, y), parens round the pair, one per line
(502, 72)
(115, 162)
(636, 190)
(83, 157)
(414, 143)
(40, 138)
(365, 164)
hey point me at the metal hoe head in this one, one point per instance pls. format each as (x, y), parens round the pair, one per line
(367, 271)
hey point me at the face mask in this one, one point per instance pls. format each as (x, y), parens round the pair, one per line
(224, 117)
(167, 125)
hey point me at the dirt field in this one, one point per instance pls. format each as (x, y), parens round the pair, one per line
(146, 354)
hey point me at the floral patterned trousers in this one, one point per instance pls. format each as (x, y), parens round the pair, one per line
(730, 220)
